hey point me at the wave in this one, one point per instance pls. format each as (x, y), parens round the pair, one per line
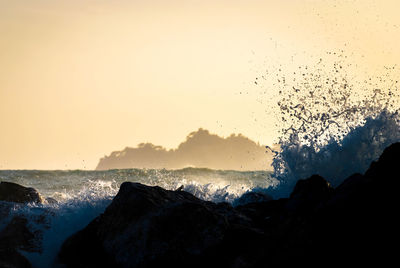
(329, 127)
(332, 125)
(83, 195)
(336, 160)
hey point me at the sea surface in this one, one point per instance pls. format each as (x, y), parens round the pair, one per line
(207, 184)
(83, 195)
(330, 126)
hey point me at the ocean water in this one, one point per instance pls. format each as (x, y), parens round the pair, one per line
(83, 195)
(331, 125)
(207, 184)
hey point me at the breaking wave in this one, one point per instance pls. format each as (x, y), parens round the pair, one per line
(332, 125)
(83, 195)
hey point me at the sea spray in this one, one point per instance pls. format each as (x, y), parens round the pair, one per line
(83, 195)
(337, 160)
(332, 124)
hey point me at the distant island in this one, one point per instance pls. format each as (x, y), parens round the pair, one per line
(201, 149)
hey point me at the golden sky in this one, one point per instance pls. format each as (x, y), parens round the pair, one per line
(82, 78)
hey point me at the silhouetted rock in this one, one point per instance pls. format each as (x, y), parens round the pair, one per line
(10, 258)
(12, 192)
(5, 209)
(309, 194)
(50, 200)
(353, 225)
(361, 214)
(263, 214)
(149, 227)
(252, 197)
(15, 234)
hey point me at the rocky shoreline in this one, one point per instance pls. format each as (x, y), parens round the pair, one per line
(16, 234)
(317, 225)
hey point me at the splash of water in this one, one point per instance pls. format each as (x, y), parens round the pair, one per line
(83, 195)
(332, 124)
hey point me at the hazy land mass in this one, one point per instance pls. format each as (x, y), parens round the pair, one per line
(201, 149)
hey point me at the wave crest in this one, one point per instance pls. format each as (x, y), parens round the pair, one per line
(333, 125)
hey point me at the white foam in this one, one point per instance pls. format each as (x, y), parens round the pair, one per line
(83, 195)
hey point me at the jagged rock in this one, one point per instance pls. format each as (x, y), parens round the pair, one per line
(152, 227)
(348, 189)
(12, 192)
(10, 258)
(5, 209)
(13, 237)
(15, 233)
(252, 197)
(264, 214)
(355, 224)
(50, 200)
(309, 194)
(383, 176)
(361, 215)
(18, 236)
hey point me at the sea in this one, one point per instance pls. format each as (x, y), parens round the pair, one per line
(330, 126)
(83, 195)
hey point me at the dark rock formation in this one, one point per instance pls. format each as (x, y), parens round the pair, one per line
(152, 227)
(12, 192)
(10, 258)
(309, 194)
(252, 197)
(50, 200)
(15, 234)
(317, 226)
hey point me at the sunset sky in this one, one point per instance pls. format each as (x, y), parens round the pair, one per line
(82, 78)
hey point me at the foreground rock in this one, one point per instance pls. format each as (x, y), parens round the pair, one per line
(15, 234)
(10, 258)
(152, 227)
(12, 192)
(318, 226)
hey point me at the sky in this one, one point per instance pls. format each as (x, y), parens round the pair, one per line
(82, 78)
